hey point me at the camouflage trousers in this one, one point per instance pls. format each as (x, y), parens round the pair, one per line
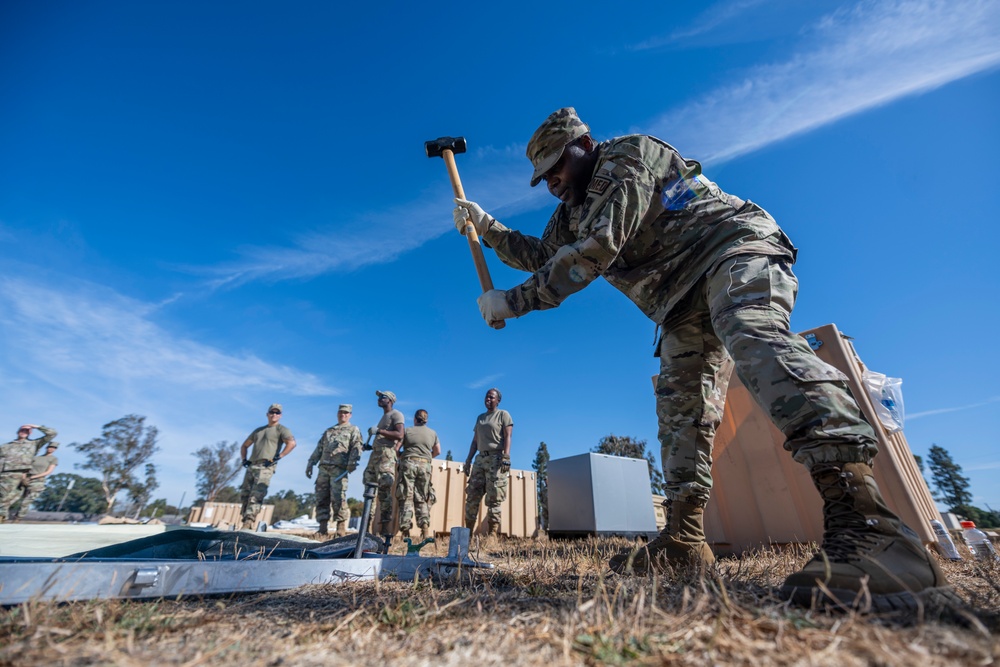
(255, 483)
(29, 492)
(485, 480)
(413, 492)
(381, 470)
(331, 493)
(10, 491)
(738, 317)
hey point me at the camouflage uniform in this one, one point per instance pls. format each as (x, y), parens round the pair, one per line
(381, 468)
(16, 458)
(34, 487)
(715, 271)
(337, 452)
(413, 488)
(267, 442)
(486, 478)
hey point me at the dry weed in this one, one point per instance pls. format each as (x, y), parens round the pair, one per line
(547, 603)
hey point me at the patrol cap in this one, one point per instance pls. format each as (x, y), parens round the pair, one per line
(345, 407)
(24, 427)
(275, 406)
(392, 396)
(548, 142)
(53, 445)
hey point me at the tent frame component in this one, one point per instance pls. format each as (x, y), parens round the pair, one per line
(24, 579)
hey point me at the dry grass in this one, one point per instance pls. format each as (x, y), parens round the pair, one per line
(547, 603)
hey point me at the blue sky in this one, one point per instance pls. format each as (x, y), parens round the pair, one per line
(207, 207)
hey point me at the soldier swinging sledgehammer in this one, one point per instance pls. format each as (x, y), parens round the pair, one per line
(715, 272)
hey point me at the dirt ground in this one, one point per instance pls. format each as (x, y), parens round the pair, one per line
(546, 603)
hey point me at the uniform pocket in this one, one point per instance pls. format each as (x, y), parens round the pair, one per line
(810, 368)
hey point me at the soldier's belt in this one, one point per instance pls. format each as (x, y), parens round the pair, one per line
(260, 462)
(20, 470)
(416, 458)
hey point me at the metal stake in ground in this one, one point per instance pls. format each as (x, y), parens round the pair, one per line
(366, 514)
(446, 148)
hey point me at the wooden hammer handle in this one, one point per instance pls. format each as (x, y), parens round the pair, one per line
(475, 247)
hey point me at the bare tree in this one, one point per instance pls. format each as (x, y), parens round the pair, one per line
(217, 466)
(140, 493)
(125, 446)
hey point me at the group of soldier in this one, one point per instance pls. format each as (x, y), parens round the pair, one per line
(401, 459)
(23, 469)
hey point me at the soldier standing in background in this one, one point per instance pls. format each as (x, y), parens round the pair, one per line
(715, 272)
(491, 438)
(381, 468)
(338, 453)
(270, 443)
(413, 485)
(15, 463)
(41, 467)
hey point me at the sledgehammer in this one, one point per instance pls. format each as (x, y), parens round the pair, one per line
(446, 148)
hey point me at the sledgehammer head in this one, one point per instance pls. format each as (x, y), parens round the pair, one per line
(435, 148)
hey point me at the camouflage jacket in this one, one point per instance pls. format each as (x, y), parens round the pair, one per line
(18, 454)
(651, 224)
(339, 446)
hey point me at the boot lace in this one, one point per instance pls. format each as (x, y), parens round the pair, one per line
(847, 533)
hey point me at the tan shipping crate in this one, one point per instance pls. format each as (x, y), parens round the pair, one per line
(519, 512)
(761, 496)
(227, 514)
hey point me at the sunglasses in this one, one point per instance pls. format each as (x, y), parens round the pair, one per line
(274, 412)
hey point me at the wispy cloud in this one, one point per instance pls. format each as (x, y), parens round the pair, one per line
(381, 236)
(482, 382)
(851, 61)
(941, 411)
(709, 20)
(95, 332)
(990, 465)
(854, 60)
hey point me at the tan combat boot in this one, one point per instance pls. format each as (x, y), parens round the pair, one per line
(681, 543)
(869, 559)
(323, 525)
(341, 528)
(425, 532)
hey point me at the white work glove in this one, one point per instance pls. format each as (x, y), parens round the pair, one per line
(493, 306)
(466, 209)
